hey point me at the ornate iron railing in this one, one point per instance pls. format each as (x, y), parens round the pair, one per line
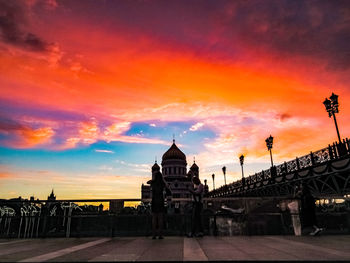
(66, 218)
(63, 218)
(332, 152)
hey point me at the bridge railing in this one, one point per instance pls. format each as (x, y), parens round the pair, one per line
(82, 217)
(225, 216)
(332, 152)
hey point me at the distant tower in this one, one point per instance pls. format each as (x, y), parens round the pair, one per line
(146, 189)
(155, 169)
(194, 169)
(51, 197)
(206, 187)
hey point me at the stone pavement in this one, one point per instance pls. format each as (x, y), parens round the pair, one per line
(336, 247)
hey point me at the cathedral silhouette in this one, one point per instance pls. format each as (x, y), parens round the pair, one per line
(174, 170)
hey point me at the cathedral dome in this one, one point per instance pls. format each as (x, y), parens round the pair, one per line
(174, 153)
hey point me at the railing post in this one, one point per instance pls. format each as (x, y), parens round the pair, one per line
(298, 164)
(79, 226)
(273, 172)
(330, 150)
(346, 149)
(111, 225)
(342, 148)
(336, 153)
(312, 158)
(285, 168)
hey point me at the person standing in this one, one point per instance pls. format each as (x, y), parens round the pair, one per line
(294, 209)
(197, 192)
(308, 209)
(158, 186)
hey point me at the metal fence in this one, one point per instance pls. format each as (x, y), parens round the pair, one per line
(220, 216)
(332, 152)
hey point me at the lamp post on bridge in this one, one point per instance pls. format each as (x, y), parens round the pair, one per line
(241, 161)
(332, 108)
(213, 176)
(224, 171)
(269, 143)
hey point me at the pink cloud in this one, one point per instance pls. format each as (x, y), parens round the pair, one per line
(90, 133)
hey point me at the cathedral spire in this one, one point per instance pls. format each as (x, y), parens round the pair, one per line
(51, 196)
(173, 137)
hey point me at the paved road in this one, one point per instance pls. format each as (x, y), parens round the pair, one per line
(176, 248)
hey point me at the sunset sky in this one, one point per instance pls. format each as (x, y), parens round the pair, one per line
(91, 92)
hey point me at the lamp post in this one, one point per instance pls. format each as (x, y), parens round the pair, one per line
(269, 142)
(332, 108)
(224, 171)
(241, 161)
(213, 176)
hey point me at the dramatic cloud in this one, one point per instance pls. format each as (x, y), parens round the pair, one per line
(20, 136)
(318, 29)
(83, 78)
(13, 17)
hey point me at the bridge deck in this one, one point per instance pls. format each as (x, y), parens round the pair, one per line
(335, 247)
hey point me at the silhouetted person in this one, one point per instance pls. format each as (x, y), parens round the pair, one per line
(158, 186)
(308, 209)
(197, 192)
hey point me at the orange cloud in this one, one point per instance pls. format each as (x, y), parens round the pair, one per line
(4, 175)
(21, 136)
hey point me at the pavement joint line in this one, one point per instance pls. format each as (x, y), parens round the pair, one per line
(235, 247)
(283, 251)
(193, 251)
(13, 242)
(262, 246)
(313, 247)
(119, 257)
(64, 251)
(139, 258)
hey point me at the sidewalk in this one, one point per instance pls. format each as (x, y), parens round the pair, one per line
(336, 247)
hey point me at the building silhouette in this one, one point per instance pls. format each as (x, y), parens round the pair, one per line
(51, 197)
(175, 174)
(116, 206)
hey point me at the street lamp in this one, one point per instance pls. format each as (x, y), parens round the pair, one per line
(241, 160)
(213, 176)
(332, 108)
(269, 142)
(224, 171)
